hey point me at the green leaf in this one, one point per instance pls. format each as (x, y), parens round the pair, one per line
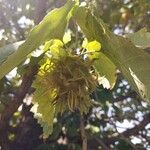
(133, 62)
(43, 109)
(52, 26)
(7, 50)
(103, 65)
(141, 38)
(107, 71)
(102, 95)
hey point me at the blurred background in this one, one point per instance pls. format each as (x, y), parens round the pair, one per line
(119, 118)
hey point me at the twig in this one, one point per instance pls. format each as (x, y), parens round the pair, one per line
(135, 130)
(104, 146)
(130, 132)
(83, 133)
(121, 136)
(131, 94)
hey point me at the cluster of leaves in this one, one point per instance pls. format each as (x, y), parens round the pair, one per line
(114, 48)
(64, 78)
(64, 82)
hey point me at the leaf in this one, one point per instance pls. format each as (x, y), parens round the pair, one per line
(67, 37)
(133, 62)
(56, 49)
(105, 68)
(43, 109)
(107, 71)
(93, 46)
(141, 38)
(7, 50)
(52, 26)
(93, 49)
(102, 95)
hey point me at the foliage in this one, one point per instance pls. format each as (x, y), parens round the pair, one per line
(63, 83)
(55, 28)
(140, 38)
(77, 57)
(105, 68)
(119, 50)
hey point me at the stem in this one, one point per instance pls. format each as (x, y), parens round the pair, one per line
(83, 133)
(103, 145)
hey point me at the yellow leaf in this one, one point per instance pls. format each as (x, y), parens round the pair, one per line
(67, 37)
(93, 46)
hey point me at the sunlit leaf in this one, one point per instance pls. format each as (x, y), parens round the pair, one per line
(43, 109)
(107, 71)
(105, 68)
(52, 26)
(67, 37)
(93, 49)
(93, 46)
(133, 62)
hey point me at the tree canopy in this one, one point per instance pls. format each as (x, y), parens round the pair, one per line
(74, 74)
